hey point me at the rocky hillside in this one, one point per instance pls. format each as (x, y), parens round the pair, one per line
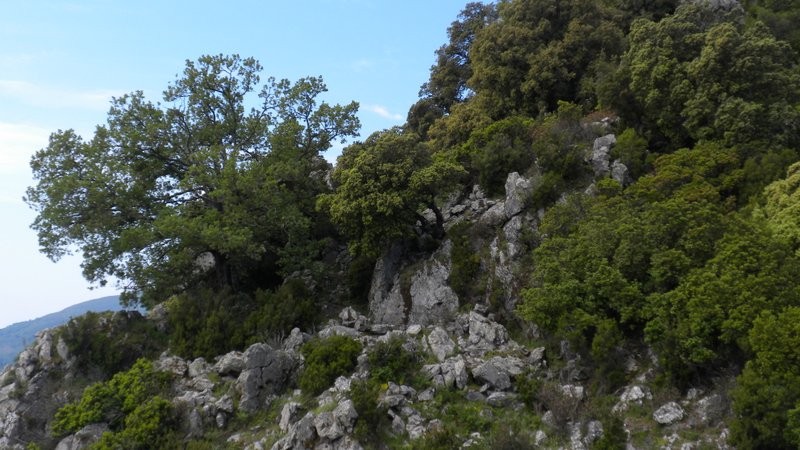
(421, 368)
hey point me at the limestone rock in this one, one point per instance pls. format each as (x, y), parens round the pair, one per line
(668, 413)
(497, 372)
(295, 340)
(452, 372)
(634, 394)
(266, 372)
(85, 437)
(289, 415)
(171, 363)
(301, 435)
(386, 303)
(335, 424)
(432, 299)
(230, 364)
(600, 157)
(518, 189)
(440, 344)
(484, 333)
(619, 173)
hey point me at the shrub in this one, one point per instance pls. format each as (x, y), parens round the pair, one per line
(291, 305)
(466, 263)
(390, 361)
(327, 359)
(111, 342)
(128, 399)
(500, 148)
(373, 419)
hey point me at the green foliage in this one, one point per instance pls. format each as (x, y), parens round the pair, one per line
(325, 360)
(148, 426)
(159, 188)
(111, 342)
(466, 262)
(539, 53)
(767, 398)
(631, 149)
(391, 361)
(128, 399)
(373, 420)
(500, 148)
(614, 435)
(383, 184)
(207, 323)
(781, 207)
(291, 305)
(700, 74)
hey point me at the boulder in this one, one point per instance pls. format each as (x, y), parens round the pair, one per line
(498, 371)
(289, 414)
(172, 364)
(619, 173)
(267, 372)
(452, 372)
(301, 435)
(386, 305)
(334, 424)
(485, 334)
(230, 364)
(440, 343)
(600, 155)
(668, 413)
(433, 301)
(634, 394)
(85, 437)
(518, 189)
(295, 340)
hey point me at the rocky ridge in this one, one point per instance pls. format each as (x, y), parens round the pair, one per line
(465, 348)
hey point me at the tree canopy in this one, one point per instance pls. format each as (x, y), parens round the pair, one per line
(202, 188)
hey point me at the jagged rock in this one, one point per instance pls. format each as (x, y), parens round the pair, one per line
(338, 330)
(452, 372)
(494, 216)
(576, 437)
(335, 424)
(348, 316)
(85, 437)
(386, 303)
(599, 158)
(573, 391)
(266, 372)
(415, 426)
(539, 437)
(232, 363)
(440, 343)
(301, 435)
(295, 340)
(632, 395)
(289, 414)
(594, 431)
(172, 364)
(668, 413)
(518, 189)
(502, 399)
(475, 396)
(426, 395)
(709, 410)
(225, 403)
(414, 329)
(62, 350)
(619, 173)
(497, 372)
(432, 299)
(198, 367)
(536, 357)
(484, 333)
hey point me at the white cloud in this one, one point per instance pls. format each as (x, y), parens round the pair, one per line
(384, 112)
(18, 142)
(52, 97)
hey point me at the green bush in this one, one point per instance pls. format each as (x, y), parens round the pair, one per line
(291, 305)
(500, 148)
(373, 420)
(325, 360)
(128, 400)
(389, 361)
(111, 342)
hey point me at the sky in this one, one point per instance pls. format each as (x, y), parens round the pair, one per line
(62, 61)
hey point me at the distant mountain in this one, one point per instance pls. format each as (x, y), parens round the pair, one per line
(15, 337)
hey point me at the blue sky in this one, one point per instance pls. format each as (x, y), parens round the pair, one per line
(61, 61)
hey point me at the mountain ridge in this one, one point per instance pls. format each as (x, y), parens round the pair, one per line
(15, 337)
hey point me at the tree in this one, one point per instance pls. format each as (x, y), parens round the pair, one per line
(161, 194)
(382, 186)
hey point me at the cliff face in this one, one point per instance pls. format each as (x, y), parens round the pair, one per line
(479, 377)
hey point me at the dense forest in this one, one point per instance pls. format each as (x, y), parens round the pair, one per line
(216, 204)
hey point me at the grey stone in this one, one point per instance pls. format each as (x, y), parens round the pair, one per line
(573, 391)
(475, 396)
(599, 157)
(619, 173)
(502, 399)
(484, 333)
(335, 424)
(348, 316)
(338, 330)
(198, 367)
(594, 431)
(440, 343)
(85, 437)
(414, 329)
(494, 216)
(432, 299)
(266, 372)
(301, 435)
(289, 414)
(518, 189)
(668, 413)
(386, 305)
(230, 364)
(295, 340)
(634, 394)
(172, 364)
(452, 372)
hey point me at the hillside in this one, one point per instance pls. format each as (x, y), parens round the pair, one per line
(584, 236)
(15, 337)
